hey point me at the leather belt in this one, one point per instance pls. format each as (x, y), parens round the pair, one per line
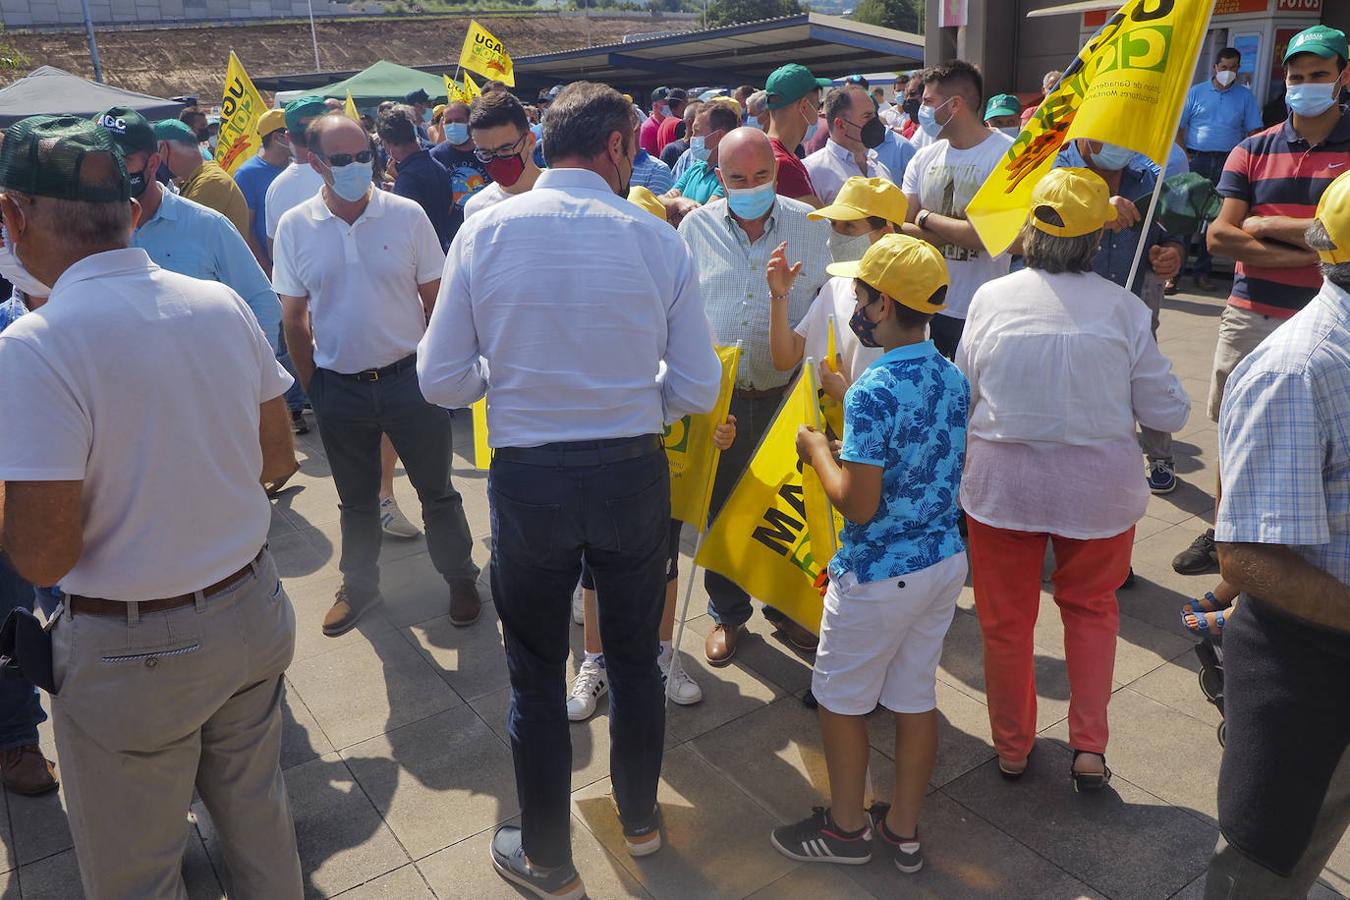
(406, 362)
(95, 606)
(576, 454)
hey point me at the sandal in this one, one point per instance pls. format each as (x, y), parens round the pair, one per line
(1089, 781)
(1015, 774)
(1206, 604)
(1202, 628)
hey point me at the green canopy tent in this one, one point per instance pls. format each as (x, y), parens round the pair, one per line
(385, 81)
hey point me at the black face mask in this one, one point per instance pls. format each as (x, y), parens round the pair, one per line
(138, 182)
(911, 108)
(864, 328)
(203, 136)
(873, 134)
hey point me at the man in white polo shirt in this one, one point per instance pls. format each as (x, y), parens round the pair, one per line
(142, 411)
(366, 265)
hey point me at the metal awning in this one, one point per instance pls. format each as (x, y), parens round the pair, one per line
(829, 46)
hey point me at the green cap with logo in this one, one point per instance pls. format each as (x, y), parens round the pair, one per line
(176, 131)
(1322, 40)
(790, 83)
(1002, 105)
(130, 130)
(309, 106)
(65, 157)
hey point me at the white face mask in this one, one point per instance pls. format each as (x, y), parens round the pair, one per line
(15, 273)
(848, 248)
(1225, 77)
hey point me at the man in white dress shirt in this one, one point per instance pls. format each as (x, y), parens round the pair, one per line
(574, 297)
(855, 132)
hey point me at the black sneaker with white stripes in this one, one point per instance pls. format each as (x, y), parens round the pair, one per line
(906, 853)
(819, 839)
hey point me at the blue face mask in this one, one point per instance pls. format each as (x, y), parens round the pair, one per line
(928, 119)
(751, 203)
(1310, 99)
(457, 133)
(350, 182)
(698, 149)
(811, 126)
(1112, 158)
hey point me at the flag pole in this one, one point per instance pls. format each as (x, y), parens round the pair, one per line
(811, 367)
(1162, 175)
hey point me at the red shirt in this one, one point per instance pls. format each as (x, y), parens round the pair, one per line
(666, 133)
(793, 179)
(647, 135)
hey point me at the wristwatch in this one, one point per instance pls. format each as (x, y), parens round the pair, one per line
(922, 218)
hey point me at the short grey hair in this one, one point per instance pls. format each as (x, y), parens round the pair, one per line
(80, 223)
(1319, 239)
(757, 103)
(1053, 254)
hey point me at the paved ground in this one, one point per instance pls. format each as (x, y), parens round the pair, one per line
(398, 769)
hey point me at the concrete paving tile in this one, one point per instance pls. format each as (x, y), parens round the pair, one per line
(1124, 842)
(726, 855)
(311, 597)
(590, 739)
(761, 650)
(53, 878)
(41, 826)
(437, 781)
(342, 840)
(1149, 526)
(471, 660)
(775, 755)
(1193, 497)
(9, 857)
(295, 554)
(199, 876)
(1320, 891)
(967, 857)
(301, 737)
(413, 590)
(401, 884)
(9, 885)
(1177, 686)
(808, 882)
(963, 734)
(310, 497)
(366, 688)
(728, 693)
(1140, 646)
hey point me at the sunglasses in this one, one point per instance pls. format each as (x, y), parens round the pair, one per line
(338, 160)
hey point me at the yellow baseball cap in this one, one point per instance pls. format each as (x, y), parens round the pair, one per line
(644, 199)
(1081, 198)
(1333, 211)
(862, 197)
(909, 271)
(270, 121)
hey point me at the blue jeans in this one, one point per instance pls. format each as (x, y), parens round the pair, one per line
(20, 710)
(1209, 165)
(545, 520)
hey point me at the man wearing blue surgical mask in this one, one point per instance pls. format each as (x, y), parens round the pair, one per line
(700, 181)
(466, 173)
(732, 241)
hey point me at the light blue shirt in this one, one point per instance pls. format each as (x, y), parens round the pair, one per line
(895, 154)
(10, 310)
(684, 162)
(1284, 439)
(1216, 121)
(906, 414)
(562, 303)
(735, 289)
(651, 173)
(187, 238)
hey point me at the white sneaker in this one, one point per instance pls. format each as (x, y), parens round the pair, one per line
(394, 522)
(681, 688)
(578, 607)
(590, 685)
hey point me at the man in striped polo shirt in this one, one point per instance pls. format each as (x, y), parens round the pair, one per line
(1270, 188)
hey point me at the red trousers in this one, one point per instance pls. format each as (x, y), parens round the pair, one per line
(1006, 567)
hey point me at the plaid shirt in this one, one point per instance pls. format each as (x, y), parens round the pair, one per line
(733, 275)
(1284, 439)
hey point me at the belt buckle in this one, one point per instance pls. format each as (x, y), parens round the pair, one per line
(370, 375)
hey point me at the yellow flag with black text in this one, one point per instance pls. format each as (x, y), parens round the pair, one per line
(823, 521)
(760, 538)
(692, 454)
(1126, 87)
(484, 54)
(830, 408)
(240, 108)
(453, 93)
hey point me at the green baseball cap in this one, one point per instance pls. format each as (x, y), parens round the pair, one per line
(176, 131)
(790, 83)
(1002, 105)
(309, 106)
(65, 157)
(130, 130)
(1322, 40)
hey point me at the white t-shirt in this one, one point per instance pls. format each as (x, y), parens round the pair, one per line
(488, 196)
(145, 385)
(920, 139)
(296, 184)
(361, 279)
(836, 298)
(945, 179)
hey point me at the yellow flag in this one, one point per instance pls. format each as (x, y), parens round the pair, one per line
(240, 107)
(484, 54)
(1126, 87)
(760, 539)
(470, 89)
(452, 92)
(823, 522)
(830, 408)
(482, 453)
(349, 110)
(692, 454)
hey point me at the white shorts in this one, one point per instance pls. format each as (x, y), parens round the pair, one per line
(881, 641)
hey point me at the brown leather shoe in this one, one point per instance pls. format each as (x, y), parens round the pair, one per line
(345, 613)
(797, 636)
(26, 771)
(1203, 283)
(720, 646)
(465, 604)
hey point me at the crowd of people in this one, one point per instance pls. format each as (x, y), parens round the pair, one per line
(172, 326)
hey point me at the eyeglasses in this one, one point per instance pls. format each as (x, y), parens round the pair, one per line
(338, 160)
(506, 151)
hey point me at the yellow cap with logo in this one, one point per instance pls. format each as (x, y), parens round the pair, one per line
(1079, 196)
(1333, 211)
(909, 271)
(862, 197)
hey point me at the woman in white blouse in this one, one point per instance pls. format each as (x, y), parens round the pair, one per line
(1062, 364)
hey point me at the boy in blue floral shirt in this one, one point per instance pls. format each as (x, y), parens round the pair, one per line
(901, 563)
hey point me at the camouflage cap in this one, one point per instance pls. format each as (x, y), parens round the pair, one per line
(65, 157)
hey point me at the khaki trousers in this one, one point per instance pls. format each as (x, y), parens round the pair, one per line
(150, 706)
